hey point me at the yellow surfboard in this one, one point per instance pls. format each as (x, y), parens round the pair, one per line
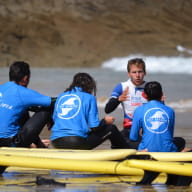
(105, 154)
(24, 175)
(104, 167)
(169, 156)
(178, 168)
(113, 154)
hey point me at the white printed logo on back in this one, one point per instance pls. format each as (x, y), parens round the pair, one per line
(68, 106)
(156, 120)
(1, 96)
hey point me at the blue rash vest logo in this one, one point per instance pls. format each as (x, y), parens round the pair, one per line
(1, 96)
(156, 120)
(68, 106)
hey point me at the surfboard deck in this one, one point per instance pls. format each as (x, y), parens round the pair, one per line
(113, 154)
(177, 168)
(103, 167)
(169, 156)
(105, 154)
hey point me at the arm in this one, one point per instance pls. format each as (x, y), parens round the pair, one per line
(112, 105)
(117, 97)
(107, 120)
(94, 119)
(41, 108)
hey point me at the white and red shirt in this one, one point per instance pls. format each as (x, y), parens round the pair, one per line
(135, 99)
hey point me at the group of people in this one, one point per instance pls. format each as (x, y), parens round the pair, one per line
(73, 116)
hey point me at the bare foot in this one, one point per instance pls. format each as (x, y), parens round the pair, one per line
(33, 145)
(46, 142)
(143, 150)
(186, 149)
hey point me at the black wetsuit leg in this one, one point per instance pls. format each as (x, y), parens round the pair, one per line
(94, 139)
(133, 144)
(110, 132)
(178, 180)
(32, 128)
(4, 142)
(179, 142)
(70, 142)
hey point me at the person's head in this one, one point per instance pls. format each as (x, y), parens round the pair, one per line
(136, 71)
(84, 81)
(19, 72)
(153, 90)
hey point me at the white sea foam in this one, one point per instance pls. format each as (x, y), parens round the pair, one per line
(174, 65)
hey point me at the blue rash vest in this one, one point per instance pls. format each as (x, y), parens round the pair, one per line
(74, 114)
(157, 122)
(14, 100)
(136, 98)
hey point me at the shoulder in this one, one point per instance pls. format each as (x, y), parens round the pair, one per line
(28, 91)
(140, 108)
(119, 87)
(168, 108)
(76, 94)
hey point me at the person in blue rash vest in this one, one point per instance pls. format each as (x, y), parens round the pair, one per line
(17, 128)
(76, 120)
(130, 95)
(156, 122)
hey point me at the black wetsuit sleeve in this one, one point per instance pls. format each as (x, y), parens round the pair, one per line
(111, 105)
(101, 125)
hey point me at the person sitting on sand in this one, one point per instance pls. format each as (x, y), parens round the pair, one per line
(156, 121)
(17, 128)
(130, 95)
(76, 120)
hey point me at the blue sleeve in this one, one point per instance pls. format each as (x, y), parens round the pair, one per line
(136, 125)
(55, 111)
(33, 98)
(93, 118)
(172, 123)
(117, 91)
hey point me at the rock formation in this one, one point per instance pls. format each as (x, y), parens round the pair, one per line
(71, 33)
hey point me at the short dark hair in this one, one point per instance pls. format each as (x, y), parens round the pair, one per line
(85, 81)
(18, 70)
(153, 90)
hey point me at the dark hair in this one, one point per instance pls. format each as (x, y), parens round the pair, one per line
(85, 81)
(138, 62)
(153, 90)
(18, 70)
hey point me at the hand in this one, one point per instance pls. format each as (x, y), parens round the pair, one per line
(124, 96)
(109, 119)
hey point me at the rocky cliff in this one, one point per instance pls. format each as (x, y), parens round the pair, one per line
(69, 33)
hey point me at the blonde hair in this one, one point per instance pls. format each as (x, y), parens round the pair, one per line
(136, 61)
